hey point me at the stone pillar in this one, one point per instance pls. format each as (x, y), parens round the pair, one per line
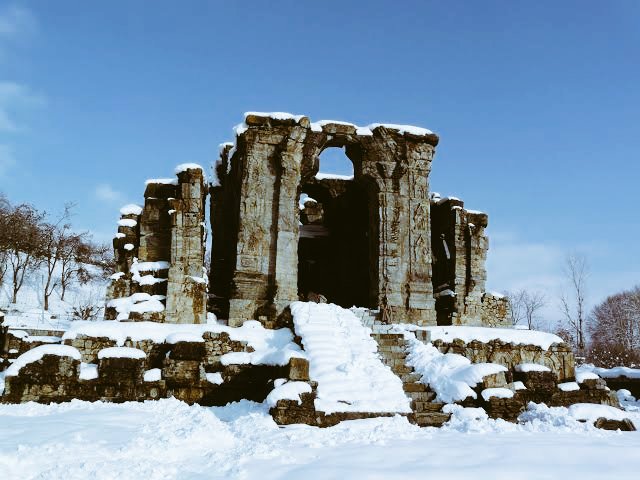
(265, 276)
(286, 268)
(250, 284)
(400, 164)
(420, 287)
(187, 282)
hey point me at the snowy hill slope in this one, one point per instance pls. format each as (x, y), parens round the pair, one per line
(28, 312)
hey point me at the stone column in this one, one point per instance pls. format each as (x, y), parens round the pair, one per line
(420, 286)
(187, 282)
(286, 269)
(250, 284)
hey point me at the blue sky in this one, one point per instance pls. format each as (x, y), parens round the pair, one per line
(536, 104)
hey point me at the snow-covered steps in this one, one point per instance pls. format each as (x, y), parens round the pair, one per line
(392, 349)
(344, 361)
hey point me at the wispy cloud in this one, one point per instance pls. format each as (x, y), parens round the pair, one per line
(16, 22)
(7, 160)
(15, 98)
(107, 193)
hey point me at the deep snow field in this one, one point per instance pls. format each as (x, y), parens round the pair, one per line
(168, 439)
(28, 311)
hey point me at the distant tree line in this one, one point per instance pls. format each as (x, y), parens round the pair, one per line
(32, 240)
(608, 335)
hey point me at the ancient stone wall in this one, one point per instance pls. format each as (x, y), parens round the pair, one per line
(190, 371)
(159, 251)
(459, 255)
(274, 158)
(559, 357)
(420, 260)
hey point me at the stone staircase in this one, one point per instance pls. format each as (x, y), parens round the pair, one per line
(392, 348)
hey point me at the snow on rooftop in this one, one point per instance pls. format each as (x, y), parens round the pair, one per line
(611, 372)
(177, 337)
(531, 367)
(137, 303)
(582, 375)
(149, 266)
(121, 352)
(183, 167)
(224, 145)
(487, 334)
(288, 391)
(333, 176)
(591, 412)
(276, 115)
(162, 181)
(569, 386)
(413, 130)
(42, 338)
(498, 392)
(127, 222)
(272, 347)
(37, 353)
(343, 359)
(131, 209)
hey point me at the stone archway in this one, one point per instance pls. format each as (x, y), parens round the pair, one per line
(334, 257)
(275, 155)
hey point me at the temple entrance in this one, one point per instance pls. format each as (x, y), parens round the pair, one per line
(334, 243)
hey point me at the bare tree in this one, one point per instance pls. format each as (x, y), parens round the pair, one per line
(79, 255)
(573, 306)
(5, 208)
(614, 327)
(52, 246)
(21, 242)
(525, 307)
(516, 303)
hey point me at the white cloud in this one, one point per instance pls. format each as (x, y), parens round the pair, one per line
(515, 263)
(7, 160)
(15, 98)
(107, 193)
(16, 21)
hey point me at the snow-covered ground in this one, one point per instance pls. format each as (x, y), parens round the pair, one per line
(167, 439)
(28, 311)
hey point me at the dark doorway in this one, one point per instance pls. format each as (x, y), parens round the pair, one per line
(333, 250)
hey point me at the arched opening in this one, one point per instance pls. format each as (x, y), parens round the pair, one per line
(334, 248)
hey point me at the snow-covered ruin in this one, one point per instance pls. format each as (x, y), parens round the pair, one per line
(366, 299)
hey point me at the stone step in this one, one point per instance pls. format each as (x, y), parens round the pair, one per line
(430, 419)
(423, 406)
(410, 377)
(388, 336)
(390, 342)
(393, 355)
(391, 349)
(400, 370)
(415, 387)
(421, 396)
(393, 360)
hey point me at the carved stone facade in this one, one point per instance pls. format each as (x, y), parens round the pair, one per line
(258, 252)
(378, 239)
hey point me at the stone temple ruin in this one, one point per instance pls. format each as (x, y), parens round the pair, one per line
(377, 240)
(402, 271)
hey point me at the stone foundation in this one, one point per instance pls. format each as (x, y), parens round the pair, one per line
(559, 357)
